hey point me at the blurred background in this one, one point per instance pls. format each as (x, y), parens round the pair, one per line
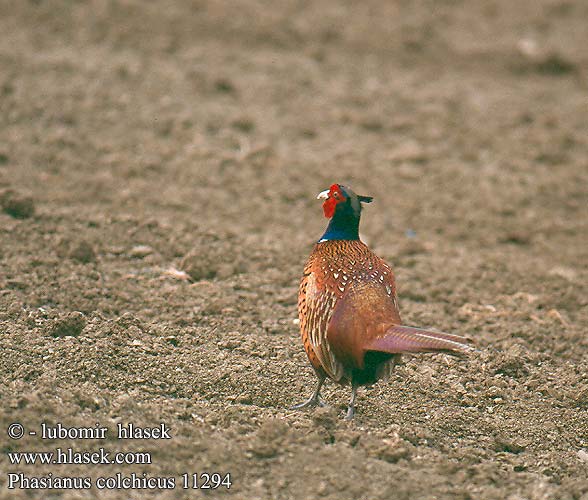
(159, 163)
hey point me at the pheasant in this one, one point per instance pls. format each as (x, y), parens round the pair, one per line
(349, 319)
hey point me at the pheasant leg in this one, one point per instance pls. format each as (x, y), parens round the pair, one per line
(351, 407)
(315, 399)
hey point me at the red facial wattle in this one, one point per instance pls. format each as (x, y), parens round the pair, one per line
(329, 207)
(335, 197)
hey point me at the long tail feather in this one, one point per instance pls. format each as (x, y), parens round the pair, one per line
(399, 339)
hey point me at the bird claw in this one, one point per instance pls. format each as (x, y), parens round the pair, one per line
(311, 403)
(350, 413)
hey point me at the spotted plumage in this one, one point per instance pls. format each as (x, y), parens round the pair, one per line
(332, 268)
(349, 319)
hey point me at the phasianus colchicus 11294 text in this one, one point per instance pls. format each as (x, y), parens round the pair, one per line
(349, 319)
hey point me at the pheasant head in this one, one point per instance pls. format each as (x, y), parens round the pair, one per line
(343, 207)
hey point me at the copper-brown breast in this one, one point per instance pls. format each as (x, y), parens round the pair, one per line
(332, 270)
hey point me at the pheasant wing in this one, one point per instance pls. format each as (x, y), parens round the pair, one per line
(319, 303)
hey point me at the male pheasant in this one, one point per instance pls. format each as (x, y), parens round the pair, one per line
(349, 319)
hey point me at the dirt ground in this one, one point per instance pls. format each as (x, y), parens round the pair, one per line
(144, 143)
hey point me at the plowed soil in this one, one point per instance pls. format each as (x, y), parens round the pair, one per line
(158, 168)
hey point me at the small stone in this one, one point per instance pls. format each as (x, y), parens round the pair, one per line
(580, 397)
(197, 267)
(349, 437)
(409, 151)
(325, 417)
(229, 343)
(267, 442)
(516, 237)
(529, 298)
(172, 340)
(245, 399)
(555, 64)
(68, 325)
(323, 489)
(556, 315)
(512, 363)
(392, 452)
(177, 274)
(140, 251)
(225, 270)
(583, 455)
(412, 247)
(224, 85)
(83, 252)
(273, 429)
(509, 445)
(16, 204)
(16, 284)
(116, 250)
(371, 125)
(243, 124)
(543, 60)
(564, 272)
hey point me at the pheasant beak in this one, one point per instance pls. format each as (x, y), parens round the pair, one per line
(323, 195)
